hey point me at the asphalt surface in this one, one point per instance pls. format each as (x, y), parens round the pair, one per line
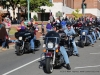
(28, 64)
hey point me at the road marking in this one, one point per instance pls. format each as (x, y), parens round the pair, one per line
(22, 66)
(86, 67)
(95, 53)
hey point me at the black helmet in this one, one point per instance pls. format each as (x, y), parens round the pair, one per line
(68, 24)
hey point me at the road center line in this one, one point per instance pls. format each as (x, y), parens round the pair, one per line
(86, 67)
(22, 66)
(95, 53)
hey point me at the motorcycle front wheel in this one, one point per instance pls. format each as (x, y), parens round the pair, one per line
(19, 52)
(82, 44)
(49, 65)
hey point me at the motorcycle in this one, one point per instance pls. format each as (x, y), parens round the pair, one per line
(84, 40)
(23, 42)
(69, 45)
(52, 54)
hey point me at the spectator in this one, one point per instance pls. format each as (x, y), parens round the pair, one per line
(63, 24)
(51, 18)
(48, 27)
(3, 35)
(42, 28)
(22, 26)
(7, 23)
(34, 21)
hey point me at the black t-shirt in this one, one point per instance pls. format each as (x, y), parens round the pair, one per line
(62, 41)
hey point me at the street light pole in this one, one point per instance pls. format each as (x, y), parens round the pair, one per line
(7, 4)
(28, 5)
(7, 8)
(18, 5)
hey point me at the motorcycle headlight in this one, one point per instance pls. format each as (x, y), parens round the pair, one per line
(83, 33)
(20, 38)
(50, 45)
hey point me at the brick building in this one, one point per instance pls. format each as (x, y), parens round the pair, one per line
(67, 6)
(93, 6)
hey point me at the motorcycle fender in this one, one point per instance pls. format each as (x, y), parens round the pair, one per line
(49, 54)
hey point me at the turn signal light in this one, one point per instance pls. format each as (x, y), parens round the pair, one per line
(44, 50)
(57, 50)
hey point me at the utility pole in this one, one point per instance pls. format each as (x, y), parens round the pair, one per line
(28, 5)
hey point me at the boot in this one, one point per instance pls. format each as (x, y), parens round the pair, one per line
(33, 51)
(68, 67)
(92, 45)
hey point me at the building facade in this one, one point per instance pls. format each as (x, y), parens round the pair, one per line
(93, 6)
(68, 6)
(65, 6)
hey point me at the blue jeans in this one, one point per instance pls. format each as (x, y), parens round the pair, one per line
(98, 33)
(34, 37)
(32, 44)
(48, 30)
(3, 44)
(75, 47)
(64, 53)
(90, 39)
(94, 36)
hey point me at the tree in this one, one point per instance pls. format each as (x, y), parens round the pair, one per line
(13, 4)
(35, 17)
(36, 4)
(76, 14)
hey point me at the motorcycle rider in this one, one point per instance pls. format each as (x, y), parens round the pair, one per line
(90, 27)
(63, 23)
(85, 28)
(23, 28)
(71, 32)
(62, 48)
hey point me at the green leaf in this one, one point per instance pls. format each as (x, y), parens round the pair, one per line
(76, 14)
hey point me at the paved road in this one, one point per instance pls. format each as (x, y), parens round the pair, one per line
(87, 64)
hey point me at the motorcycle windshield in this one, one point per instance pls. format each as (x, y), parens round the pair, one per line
(17, 34)
(53, 37)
